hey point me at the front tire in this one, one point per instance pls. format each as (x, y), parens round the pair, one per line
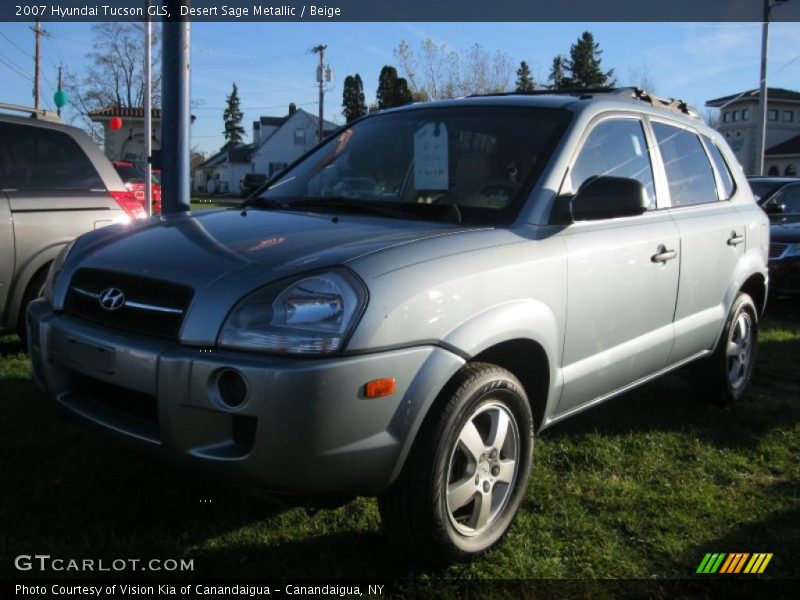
(724, 376)
(468, 470)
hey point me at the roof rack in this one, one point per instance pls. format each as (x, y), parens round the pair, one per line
(35, 113)
(622, 93)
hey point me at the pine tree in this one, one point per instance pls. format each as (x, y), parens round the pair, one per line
(558, 76)
(234, 132)
(353, 103)
(392, 90)
(524, 78)
(584, 64)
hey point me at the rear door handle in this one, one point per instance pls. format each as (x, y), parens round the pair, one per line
(662, 255)
(735, 239)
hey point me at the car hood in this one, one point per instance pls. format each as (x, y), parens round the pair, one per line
(256, 246)
(785, 231)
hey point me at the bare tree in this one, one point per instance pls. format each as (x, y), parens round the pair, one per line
(640, 77)
(115, 76)
(436, 72)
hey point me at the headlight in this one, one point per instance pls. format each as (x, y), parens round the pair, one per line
(312, 314)
(55, 270)
(792, 250)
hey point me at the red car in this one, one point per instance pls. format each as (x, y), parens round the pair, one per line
(133, 178)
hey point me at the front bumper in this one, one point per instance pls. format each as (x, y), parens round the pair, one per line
(305, 426)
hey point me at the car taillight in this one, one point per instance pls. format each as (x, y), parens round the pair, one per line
(127, 201)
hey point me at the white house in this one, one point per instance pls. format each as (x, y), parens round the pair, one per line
(739, 123)
(127, 143)
(277, 142)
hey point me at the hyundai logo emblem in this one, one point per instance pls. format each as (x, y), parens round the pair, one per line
(111, 298)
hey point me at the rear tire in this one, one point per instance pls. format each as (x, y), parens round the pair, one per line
(723, 377)
(468, 470)
(32, 292)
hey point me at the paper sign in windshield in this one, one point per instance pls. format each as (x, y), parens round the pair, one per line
(430, 157)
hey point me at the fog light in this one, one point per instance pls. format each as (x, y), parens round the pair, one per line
(231, 388)
(378, 388)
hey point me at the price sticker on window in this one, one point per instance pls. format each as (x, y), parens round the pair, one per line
(430, 157)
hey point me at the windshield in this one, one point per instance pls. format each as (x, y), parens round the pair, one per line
(483, 160)
(763, 189)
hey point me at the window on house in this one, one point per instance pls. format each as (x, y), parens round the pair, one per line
(735, 115)
(790, 171)
(772, 115)
(745, 114)
(788, 116)
(300, 136)
(726, 117)
(774, 171)
(276, 167)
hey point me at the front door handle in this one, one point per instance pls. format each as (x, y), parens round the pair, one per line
(735, 239)
(662, 255)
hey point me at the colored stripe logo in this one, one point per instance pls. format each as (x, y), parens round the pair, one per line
(734, 562)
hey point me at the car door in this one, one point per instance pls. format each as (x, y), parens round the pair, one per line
(621, 291)
(712, 234)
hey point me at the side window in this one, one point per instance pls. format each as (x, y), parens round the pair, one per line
(34, 158)
(689, 174)
(722, 168)
(790, 197)
(615, 147)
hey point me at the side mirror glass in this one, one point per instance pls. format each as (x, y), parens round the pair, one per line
(774, 208)
(608, 197)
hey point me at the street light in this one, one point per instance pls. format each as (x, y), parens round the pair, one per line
(762, 96)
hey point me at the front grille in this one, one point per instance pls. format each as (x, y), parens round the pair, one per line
(118, 401)
(151, 307)
(775, 250)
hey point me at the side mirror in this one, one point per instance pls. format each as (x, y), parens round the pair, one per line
(774, 208)
(607, 197)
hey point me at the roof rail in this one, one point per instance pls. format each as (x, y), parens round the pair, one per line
(622, 93)
(35, 113)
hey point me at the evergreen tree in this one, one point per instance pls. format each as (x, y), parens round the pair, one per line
(234, 132)
(392, 90)
(353, 103)
(558, 75)
(524, 78)
(584, 64)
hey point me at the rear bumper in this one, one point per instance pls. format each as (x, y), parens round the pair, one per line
(305, 426)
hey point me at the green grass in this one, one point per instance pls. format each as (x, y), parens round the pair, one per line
(640, 487)
(204, 204)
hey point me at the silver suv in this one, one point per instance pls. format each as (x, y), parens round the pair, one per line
(55, 184)
(400, 312)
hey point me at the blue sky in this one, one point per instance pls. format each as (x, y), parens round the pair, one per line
(272, 67)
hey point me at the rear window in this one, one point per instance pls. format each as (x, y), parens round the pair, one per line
(724, 171)
(689, 174)
(35, 158)
(130, 173)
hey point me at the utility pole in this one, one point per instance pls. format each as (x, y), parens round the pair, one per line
(58, 108)
(38, 33)
(320, 49)
(761, 142)
(148, 111)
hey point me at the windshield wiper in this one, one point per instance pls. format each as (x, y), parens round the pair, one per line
(341, 203)
(264, 203)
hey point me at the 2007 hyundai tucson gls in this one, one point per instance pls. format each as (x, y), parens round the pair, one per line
(400, 311)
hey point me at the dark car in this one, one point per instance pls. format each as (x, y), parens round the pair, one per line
(134, 176)
(251, 182)
(780, 199)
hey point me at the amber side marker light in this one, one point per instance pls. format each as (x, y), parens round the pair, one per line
(378, 388)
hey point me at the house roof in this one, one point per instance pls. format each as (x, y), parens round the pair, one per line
(135, 112)
(790, 146)
(772, 94)
(239, 154)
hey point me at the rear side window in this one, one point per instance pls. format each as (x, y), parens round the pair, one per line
(615, 147)
(34, 158)
(689, 174)
(724, 171)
